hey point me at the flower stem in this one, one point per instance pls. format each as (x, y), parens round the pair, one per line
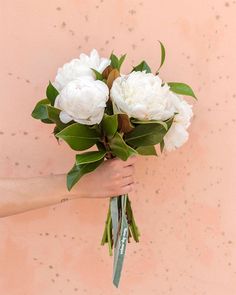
(109, 235)
(104, 237)
(132, 224)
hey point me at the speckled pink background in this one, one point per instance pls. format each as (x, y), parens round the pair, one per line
(185, 201)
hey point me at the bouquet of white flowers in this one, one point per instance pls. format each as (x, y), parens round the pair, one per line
(92, 104)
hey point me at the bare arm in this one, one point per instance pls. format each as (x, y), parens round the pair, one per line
(113, 177)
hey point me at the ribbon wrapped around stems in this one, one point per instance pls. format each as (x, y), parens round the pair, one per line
(119, 227)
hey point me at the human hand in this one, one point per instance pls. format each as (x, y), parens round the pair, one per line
(113, 177)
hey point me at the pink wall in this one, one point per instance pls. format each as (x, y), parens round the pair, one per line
(185, 201)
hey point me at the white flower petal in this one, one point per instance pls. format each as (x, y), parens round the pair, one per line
(176, 136)
(83, 100)
(80, 67)
(144, 96)
(64, 117)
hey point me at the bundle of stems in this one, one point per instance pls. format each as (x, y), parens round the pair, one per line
(108, 234)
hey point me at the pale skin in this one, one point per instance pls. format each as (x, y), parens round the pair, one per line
(112, 178)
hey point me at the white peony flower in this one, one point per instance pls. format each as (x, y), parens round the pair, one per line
(83, 100)
(80, 67)
(177, 135)
(142, 96)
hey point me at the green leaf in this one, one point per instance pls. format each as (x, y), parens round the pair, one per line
(90, 157)
(141, 67)
(99, 76)
(47, 114)
(41, 111)
(37, 108)
(55, 131)
(110, 125)
(163, 56)
(79, 137)
(114, 61)
(162, 145)
(47, 121)
(147, 150)
(145, 134)
(41, 102)
(169, 122)
(181, 88)
(135, 121)
(119, 148)
(100, 146)
(117, 62)
(78, 171)
(121, 60)
(51, 93)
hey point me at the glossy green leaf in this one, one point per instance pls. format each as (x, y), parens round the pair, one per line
(147, 150)
(47, 114)
(181, 88)
(121, 60)
(120, 149)
(99, 76)
(55, 131)
(169, 122)
(163, 56)
(43, 111)
(47, 121)
(79, 137)
(145, 134)
(100, 146)
(141, 67)
(162, 145)
(41, 102)
(78, 171)
(51, 93)
(110, 125)
(37, 110)
(114, 61)
(164, 124)
(90, 157)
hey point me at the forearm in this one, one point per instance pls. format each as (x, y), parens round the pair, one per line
(112, 178)
(23, 194)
